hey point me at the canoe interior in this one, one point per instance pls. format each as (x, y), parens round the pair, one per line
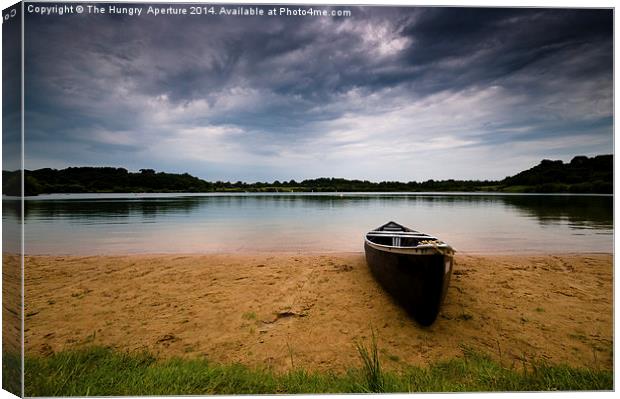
(395, 241)
(396, 235)
(394, 227)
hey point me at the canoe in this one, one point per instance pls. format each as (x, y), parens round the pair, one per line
(414, 267)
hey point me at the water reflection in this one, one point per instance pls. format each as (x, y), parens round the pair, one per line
(11, 226)
(108, 211)
(579, 211)
(330, 222)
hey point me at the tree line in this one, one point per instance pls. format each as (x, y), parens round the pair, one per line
(580, 175)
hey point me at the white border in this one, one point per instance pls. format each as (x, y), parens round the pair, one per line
(464, 3)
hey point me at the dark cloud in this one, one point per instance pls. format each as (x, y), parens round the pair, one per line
(11, 89)
(265, 88)
(459, 47)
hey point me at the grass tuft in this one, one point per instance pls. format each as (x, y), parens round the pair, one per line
(249, 316)
(371, 365)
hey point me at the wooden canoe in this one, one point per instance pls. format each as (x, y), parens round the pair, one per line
(414, 267)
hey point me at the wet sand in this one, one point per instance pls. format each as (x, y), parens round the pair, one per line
(294, 310)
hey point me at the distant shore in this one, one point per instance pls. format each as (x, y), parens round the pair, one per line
(278, 309)
(581, 175)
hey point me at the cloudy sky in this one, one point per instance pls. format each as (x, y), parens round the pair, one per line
(386, 94)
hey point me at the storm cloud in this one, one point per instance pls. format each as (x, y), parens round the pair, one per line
(389, 93)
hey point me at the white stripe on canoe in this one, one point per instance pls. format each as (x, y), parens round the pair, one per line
(373, 234)
(393, 232)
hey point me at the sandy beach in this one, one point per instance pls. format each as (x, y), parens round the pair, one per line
(288, 310)
(11, 303)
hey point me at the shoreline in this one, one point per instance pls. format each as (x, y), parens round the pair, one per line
(301, 252)
(274, 309)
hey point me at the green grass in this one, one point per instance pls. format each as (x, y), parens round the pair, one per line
(514, 189)
(249, 316)
(11, 373)
(101, 371)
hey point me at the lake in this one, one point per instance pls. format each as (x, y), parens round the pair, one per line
(310, 222)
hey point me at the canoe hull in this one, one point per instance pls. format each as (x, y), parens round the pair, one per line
(418, 282)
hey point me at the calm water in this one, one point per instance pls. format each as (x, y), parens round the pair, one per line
(128, 223)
